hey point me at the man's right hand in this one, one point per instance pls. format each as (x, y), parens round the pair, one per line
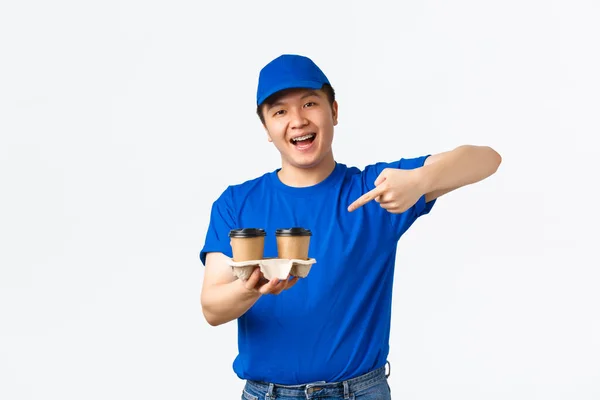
(258, 284)
(225, 297)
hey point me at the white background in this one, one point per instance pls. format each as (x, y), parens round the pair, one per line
(122, 121)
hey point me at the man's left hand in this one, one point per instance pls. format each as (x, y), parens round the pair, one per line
(396, 190)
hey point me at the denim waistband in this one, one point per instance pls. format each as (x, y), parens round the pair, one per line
(342, 388)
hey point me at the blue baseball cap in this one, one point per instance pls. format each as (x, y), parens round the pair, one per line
(286, 72)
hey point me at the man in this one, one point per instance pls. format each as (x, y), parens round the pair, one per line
(326, 334)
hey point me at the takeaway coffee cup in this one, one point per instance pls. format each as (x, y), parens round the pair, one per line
(293, 243)
(247, 243)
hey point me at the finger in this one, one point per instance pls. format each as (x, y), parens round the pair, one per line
(365, 198)
(391, 206)
(292, 282)
(270, 286)
(382, 176)
(387, 197)
(262, 281)
(284, 285)
(279, 287)
(394, 207)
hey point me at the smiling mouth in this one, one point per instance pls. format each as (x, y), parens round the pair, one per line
(306, 139)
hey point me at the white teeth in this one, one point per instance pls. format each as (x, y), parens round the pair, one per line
(310, 135)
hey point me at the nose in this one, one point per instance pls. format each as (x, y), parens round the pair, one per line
(297, 119)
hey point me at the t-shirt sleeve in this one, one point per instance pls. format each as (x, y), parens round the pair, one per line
(222, 220)
(401, 222)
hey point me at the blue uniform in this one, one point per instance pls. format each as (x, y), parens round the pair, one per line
(334, 324)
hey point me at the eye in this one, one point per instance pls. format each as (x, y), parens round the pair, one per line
(279, 112)
(310, 104)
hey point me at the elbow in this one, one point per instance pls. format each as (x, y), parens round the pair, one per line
(212, 319)
(497, 159)
(493, 159)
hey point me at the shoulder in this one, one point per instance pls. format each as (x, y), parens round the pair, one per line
(401, 163)
(250, 184)
(356, 172)
(367, 174)
(236, 192)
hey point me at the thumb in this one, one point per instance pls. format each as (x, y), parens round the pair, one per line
(253, 279)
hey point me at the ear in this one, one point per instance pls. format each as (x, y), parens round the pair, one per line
(268, 134)
(334, 109)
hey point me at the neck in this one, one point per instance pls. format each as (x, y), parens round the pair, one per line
(302, 177)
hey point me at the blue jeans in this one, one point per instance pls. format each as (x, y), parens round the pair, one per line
(370, 386)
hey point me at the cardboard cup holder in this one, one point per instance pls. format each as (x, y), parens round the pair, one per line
(292, 253)
(272, 268)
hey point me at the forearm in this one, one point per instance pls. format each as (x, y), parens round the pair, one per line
(228, 301)
(460, 167)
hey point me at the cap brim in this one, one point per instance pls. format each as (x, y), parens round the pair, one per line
(289, 85)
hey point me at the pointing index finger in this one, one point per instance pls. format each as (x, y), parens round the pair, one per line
(365, 198)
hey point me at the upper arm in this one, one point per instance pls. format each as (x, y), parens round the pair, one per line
(436, 193)
(222, 220)
(216, 271)
(435, 158)
(217, 248)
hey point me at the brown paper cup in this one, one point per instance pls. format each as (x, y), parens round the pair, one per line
(247, 244)
(293, 243)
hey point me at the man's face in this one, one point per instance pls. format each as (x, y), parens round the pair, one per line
(300, 124)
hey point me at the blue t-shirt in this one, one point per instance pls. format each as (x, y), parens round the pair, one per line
(335, 323)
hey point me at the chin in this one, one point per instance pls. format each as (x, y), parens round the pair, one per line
(311, 159)
(307, 163)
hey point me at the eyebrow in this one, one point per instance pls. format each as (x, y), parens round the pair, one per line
(310, 93)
